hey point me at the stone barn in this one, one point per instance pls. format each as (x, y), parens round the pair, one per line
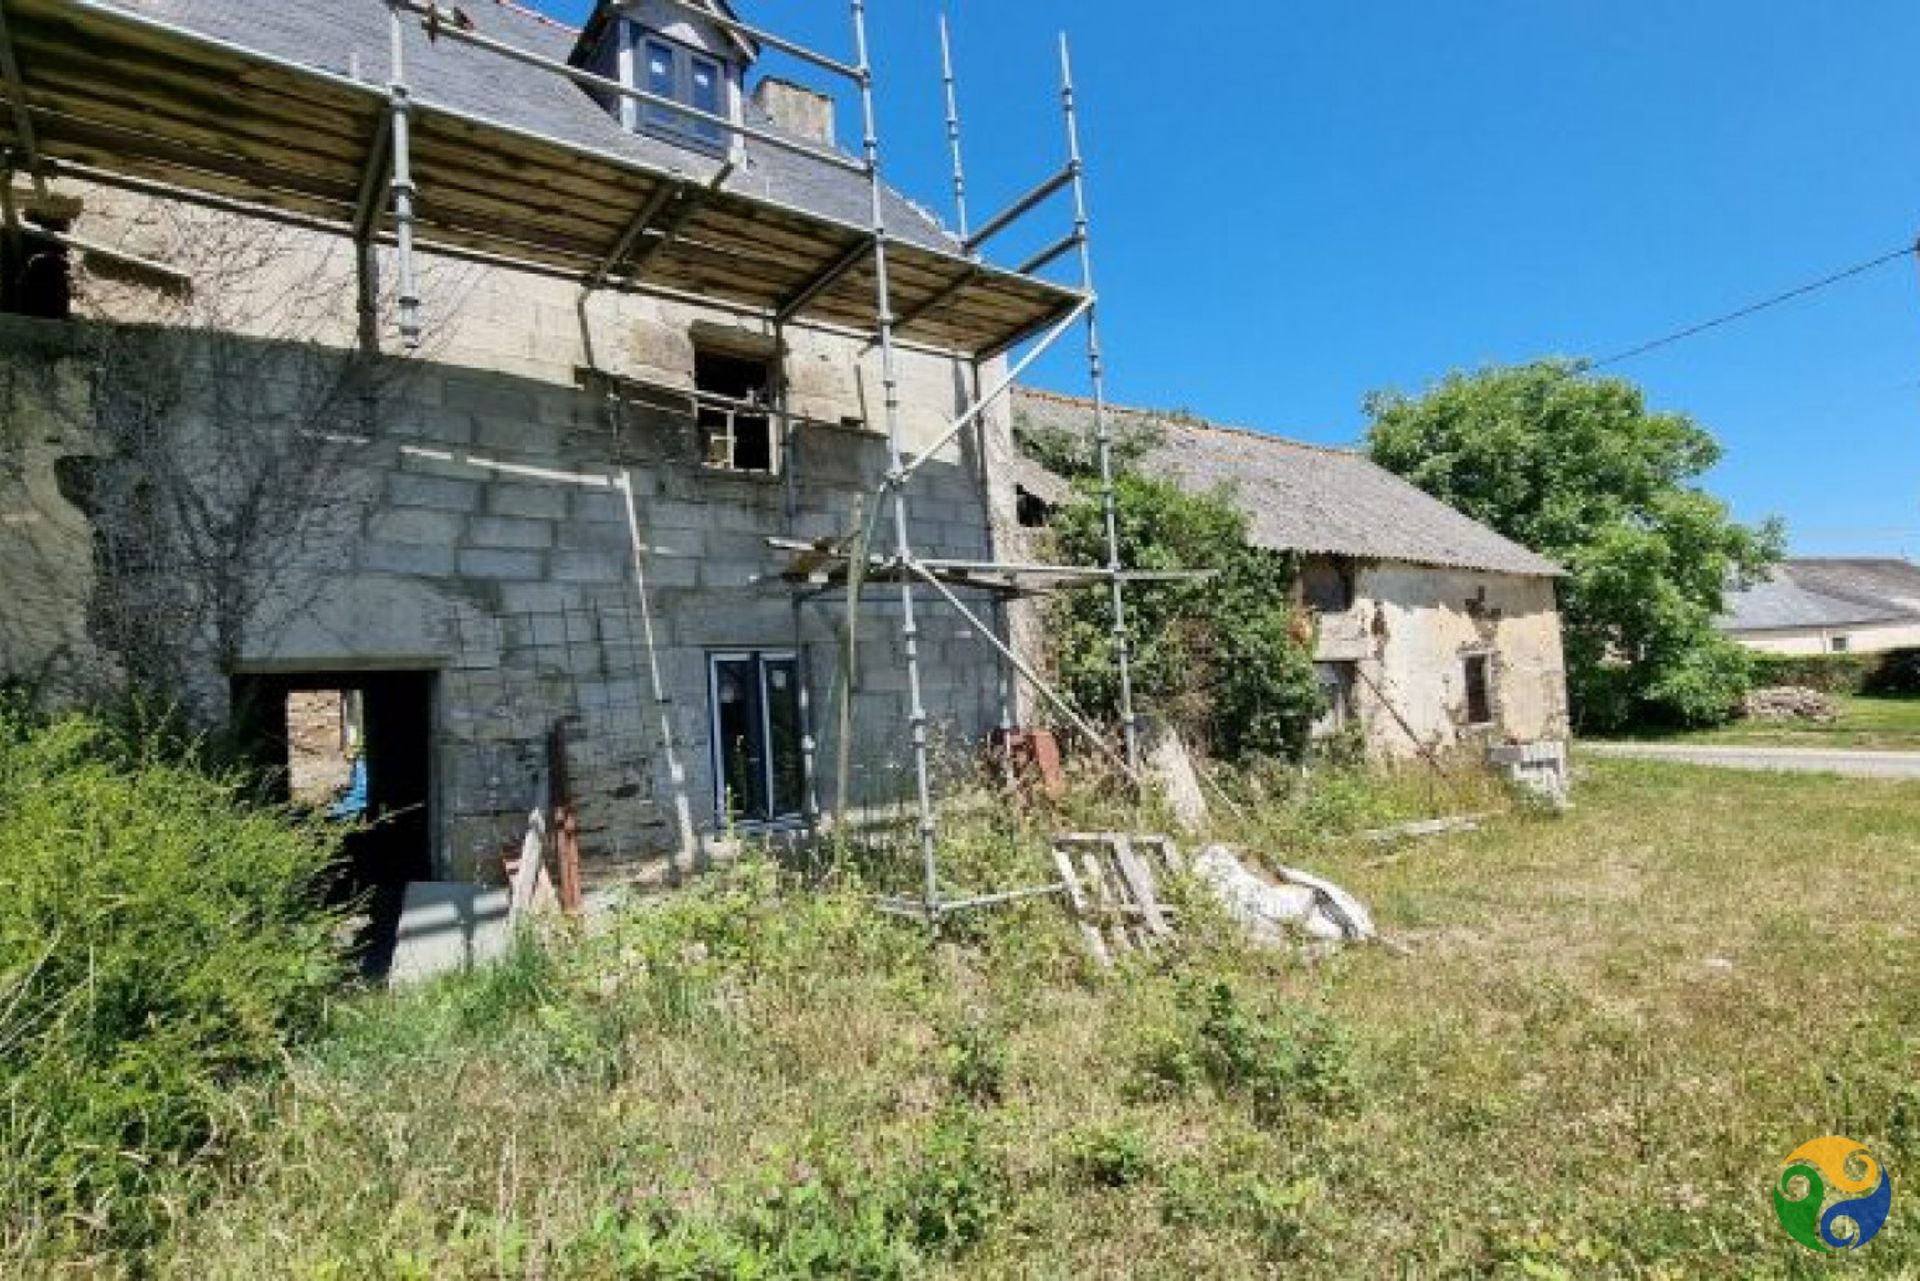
(1433, 634)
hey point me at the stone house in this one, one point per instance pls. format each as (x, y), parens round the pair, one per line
(1828, 605)
(551, 534)
(1433, 633)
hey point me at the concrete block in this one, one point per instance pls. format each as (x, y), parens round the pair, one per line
(521, 436)
(672, 571)
(600, 506)
(592, 537)
(510, 532)
(441, 426)
(535, 598)
(548, 501)
(495, 397)
(418, 559)
(489, 562)
(415, 525)
(745, 548)
(588, 567)
(405, 489)
(446, 927)
(677, 513)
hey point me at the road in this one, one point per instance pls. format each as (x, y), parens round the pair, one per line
(1802, 760)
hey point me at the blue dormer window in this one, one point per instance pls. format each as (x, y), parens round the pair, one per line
(674, 71)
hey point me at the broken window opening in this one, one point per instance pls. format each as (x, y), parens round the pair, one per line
(758, 771)
(735, 437)
(1031, 510)
(36, 275)
(1479, 677)
(1326, 585)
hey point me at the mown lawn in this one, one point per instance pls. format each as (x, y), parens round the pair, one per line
(1598, 1038)
(1879, 723)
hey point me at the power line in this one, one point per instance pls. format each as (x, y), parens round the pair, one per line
(1905, 251)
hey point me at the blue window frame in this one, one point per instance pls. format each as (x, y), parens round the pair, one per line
(674, 71)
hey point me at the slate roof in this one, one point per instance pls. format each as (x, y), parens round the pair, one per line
(1827, 592)
(1300, 497)
(350, 37)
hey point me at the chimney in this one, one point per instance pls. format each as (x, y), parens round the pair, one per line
(796, 109)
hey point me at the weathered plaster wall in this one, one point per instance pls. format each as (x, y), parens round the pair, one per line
(46, 546)
(519, 589)
(1866, 638)
(1410, 629)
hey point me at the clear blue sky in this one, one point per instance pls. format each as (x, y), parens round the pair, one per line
(1295, 203)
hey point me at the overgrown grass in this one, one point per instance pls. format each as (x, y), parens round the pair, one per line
(1608, 1029)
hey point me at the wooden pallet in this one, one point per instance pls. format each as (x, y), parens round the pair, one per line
(1112, 886)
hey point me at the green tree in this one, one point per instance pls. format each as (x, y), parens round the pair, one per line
(1579, 469)
(1219, 656)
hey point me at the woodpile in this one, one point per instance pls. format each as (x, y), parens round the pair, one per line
(1789, 703)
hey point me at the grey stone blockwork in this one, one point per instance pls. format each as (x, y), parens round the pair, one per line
(540, 574)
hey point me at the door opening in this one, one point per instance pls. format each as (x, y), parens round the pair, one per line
(759, 773)
(356, 746)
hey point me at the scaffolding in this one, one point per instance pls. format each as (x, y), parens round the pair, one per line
(669, 233)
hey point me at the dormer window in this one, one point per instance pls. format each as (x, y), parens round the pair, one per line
(677, 72)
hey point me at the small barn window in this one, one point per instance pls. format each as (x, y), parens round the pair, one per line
(1839, 644)
(1326, 585)
(736, 429)
(1337, 680)
(1031, 510)
(1479, 674)
(36, 276)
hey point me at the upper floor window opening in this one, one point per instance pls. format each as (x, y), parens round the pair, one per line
(734, 403)
(672, 70)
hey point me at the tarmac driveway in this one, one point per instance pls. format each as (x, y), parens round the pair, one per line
(1858, 763)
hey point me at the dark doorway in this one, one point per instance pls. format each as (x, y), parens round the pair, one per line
(381, 779)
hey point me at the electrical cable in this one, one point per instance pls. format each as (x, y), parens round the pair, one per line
(1750, 309)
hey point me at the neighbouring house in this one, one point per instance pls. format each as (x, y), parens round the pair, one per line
(547, 543)
(1828, 605)
(1433, 633)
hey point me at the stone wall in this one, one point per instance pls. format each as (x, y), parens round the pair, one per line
(1410, 630)
(484, 535)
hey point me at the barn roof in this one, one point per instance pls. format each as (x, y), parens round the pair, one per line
(284, 106)
(1300, 497)
(1827, 592)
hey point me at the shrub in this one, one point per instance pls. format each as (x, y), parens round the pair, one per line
(160, 941)
(1894, 673)
(1110, 1157)
(951, 1197)
(1220, 656)
(1298, 1060)
(1828, 673)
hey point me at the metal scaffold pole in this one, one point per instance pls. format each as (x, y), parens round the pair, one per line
(953, 130)
(1102, 429)
(401, 182)
(1004, 687)
(897, 471)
